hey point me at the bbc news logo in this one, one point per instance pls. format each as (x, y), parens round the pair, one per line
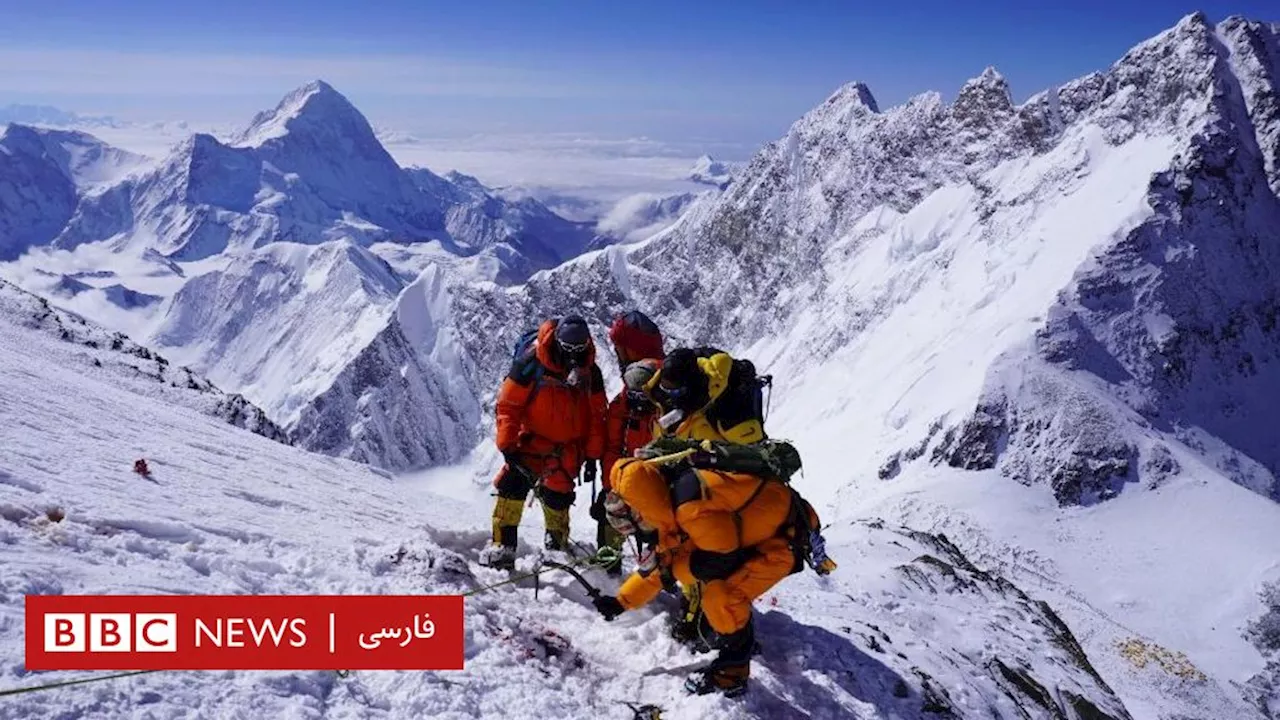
(111, 632)
(244, 632)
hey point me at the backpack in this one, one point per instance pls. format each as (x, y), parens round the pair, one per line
(772, 460)
(750, 385)
(524, 346)
(525, 366)
(743, 397)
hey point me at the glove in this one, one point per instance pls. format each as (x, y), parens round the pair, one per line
(608, 606)
(597, 508)
(590, 469)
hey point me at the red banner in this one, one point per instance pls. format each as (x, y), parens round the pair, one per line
(244, 632)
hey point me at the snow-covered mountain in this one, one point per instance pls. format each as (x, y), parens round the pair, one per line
(1044, 336)
(44, 176)
(308, 171)
(49, 115)
(522, 233)
(1077, 294)
(709, 171)
(274, 260)
(279, 323)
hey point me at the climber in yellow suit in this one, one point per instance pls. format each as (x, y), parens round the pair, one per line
(730, 532)
(699, 394)
(700, 400)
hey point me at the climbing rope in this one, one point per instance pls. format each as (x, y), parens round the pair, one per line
(66, 683)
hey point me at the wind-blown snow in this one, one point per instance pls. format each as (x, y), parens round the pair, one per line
(644, 215)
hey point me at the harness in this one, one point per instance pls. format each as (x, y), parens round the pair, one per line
(540, 376)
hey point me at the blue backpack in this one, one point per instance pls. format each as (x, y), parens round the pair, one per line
(524, 346)
(525, 366)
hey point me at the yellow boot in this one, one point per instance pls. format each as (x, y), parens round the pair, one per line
(501, 552)
(557, 521)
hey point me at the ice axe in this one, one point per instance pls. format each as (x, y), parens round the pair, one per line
(592, 590)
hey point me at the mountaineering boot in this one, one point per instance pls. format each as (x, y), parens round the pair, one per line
(728, 680)
(501, 551)
(687, 633)
(498, 556)
(728, 673)
(553, 541)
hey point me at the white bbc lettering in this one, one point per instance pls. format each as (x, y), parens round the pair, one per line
(155, 632)
(110, 632)
(64, 632)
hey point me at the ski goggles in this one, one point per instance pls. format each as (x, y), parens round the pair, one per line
(572, 348)
(675, 392)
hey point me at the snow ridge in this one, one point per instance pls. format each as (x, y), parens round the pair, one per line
(101, 353)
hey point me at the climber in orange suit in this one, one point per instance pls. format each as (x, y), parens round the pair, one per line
(550, 427)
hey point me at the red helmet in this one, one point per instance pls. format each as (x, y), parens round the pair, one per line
(636, 336)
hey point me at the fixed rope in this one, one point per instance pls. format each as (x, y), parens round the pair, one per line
(66, 683)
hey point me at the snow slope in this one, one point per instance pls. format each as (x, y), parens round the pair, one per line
(89, 349)
(398, 403)
(279, 323)
(910, 630)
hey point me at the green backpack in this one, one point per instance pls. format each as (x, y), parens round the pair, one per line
(776, 459)
(772, 459)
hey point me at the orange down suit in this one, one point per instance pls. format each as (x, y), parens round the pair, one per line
(552, 426)
(700, 540)
(624, 433)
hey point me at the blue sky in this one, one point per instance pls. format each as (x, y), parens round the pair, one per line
(738, 72)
